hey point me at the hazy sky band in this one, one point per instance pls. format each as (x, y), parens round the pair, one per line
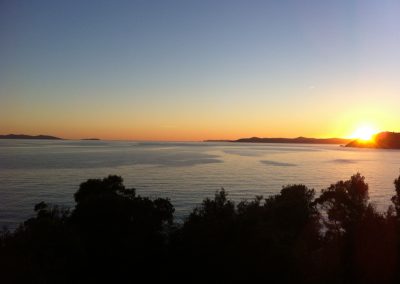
(192, 70)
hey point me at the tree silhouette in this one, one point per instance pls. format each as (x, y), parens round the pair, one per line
(396, 198)
(281, 233)
(42, 250)
(355, 231)
(345, 203)
(270, 235)
(112, 234)
(206, 238)
(120, 229)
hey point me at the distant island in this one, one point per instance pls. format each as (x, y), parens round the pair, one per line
(218, 140)
(23, 136)
(300, 140)
(382, 140)
(91, 139)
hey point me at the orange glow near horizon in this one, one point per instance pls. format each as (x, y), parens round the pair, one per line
(218, 131)
(364, 133)
(166, 124)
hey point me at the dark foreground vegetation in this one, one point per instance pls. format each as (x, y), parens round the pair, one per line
(114, 235)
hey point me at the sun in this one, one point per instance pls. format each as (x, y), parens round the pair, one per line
(364, 133)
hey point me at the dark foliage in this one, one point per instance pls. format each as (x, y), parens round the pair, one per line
(114, 235)
(359, 241)
(396, 198)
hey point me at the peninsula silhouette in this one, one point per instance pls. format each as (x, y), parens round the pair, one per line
(300, 140)
(382, 140)
(24, 136)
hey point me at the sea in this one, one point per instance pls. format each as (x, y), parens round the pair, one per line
(32, 171)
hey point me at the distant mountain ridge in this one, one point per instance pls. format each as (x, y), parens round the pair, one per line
(24, 136)
(300, 140)
(382, 140)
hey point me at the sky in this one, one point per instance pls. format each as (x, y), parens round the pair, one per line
(194, 70)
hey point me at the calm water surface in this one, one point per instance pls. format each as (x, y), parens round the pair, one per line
(33, 171)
